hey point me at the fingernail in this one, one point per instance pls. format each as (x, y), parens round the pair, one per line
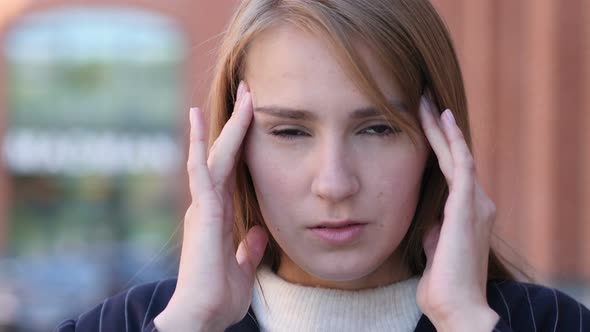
(192, 114)
(244, 95)
(240, 90)
(242, 102)
(448, 117)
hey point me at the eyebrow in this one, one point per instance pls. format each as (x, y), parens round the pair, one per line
(301, 114)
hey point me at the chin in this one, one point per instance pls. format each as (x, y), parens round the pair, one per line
(364, 267)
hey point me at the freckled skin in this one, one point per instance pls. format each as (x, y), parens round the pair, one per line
(335, 170)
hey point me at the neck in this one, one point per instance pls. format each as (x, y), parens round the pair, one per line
(391, 271)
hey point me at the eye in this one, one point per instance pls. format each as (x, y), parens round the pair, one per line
(289, 133)
(381, 130)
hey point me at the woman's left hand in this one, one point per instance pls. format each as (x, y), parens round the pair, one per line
(452, 290)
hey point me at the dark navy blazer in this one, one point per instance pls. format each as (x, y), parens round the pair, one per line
(521, 306)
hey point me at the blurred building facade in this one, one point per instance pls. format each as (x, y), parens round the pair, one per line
(108, 82)
(527, 70)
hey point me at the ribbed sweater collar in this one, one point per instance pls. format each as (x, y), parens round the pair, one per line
(290, 307)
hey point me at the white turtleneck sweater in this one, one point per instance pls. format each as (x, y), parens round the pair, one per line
(284, 306)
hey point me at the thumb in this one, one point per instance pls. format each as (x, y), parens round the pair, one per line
(251, 250)
(429, 243)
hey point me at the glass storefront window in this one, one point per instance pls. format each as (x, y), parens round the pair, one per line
(93, 151)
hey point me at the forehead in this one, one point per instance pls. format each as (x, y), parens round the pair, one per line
(288, 66)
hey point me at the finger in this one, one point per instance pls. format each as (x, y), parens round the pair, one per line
(463, 162)
(251, 250)
(232, 181)
(199, 180)
(436, 138)
(228, 202)
(222, 156)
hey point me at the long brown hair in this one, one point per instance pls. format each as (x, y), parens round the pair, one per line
(413, 44)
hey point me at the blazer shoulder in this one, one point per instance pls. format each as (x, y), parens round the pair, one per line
(131, 310)
(530, 307)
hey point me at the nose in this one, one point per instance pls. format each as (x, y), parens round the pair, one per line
(335, 177)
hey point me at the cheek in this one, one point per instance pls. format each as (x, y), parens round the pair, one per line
(398, 180)
(396, 187)
(274, 180)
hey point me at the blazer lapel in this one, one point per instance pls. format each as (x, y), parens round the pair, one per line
(424, 325)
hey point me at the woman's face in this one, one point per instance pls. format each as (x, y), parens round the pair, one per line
(337, 185)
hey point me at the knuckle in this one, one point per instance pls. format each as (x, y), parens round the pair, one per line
(213, 159)
(192, 210)
(191, 166)
(231, 121)
(460, 134)
(217, 184)
(492, 206)
(194, 138)
(244, 125)
(468, 163)
(203, 208)
(213, 147)
(491, 210)
(468, 160)
(487, 210)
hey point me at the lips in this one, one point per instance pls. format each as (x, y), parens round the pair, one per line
(338, 233)
(338, 224)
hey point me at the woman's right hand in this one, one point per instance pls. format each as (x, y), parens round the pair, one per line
(214, 287)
